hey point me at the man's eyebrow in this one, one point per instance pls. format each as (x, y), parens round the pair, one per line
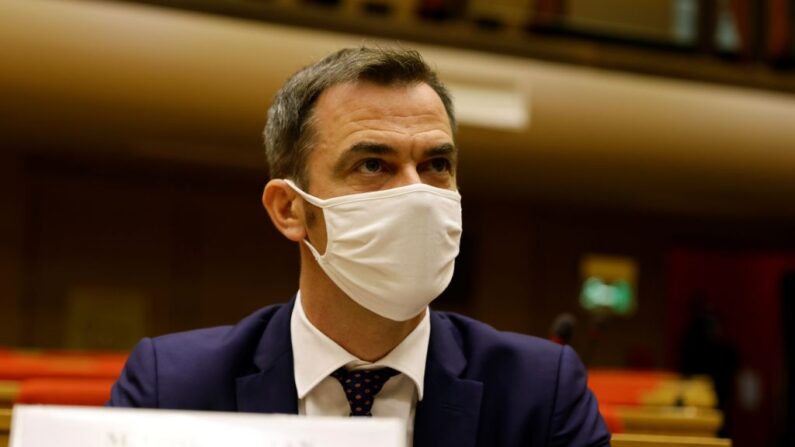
(359, 149)
(446, 149)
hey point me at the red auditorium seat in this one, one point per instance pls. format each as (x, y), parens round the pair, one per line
(60, 365)
(64, 391)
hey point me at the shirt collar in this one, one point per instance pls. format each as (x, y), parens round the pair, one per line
(316, 356)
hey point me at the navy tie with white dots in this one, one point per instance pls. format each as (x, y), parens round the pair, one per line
(361, 387)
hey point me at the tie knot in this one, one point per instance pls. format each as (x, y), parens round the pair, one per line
(361, 387)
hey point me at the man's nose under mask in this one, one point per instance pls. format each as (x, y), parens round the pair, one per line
(392, 251)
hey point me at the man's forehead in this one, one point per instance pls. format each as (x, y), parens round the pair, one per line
(363, 85)
(398, 95)
(411, 107)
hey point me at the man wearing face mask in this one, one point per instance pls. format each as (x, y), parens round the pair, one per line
(363, 160)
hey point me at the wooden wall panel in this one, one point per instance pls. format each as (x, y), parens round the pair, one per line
(11, 243)
(170, 249)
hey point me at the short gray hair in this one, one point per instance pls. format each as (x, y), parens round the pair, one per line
(288, 132)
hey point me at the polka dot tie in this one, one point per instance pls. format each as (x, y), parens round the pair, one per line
(361, 387)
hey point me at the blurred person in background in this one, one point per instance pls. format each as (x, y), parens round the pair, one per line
(706, 351)
(362, 157)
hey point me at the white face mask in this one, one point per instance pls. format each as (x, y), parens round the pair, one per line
(392, 251)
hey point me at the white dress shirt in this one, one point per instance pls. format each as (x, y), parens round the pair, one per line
(316, 356)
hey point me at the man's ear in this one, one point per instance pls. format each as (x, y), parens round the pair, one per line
(285, 208)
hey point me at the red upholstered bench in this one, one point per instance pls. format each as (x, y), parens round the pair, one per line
(60, 365)
(626, 387)
(58, 377)
(64, 391)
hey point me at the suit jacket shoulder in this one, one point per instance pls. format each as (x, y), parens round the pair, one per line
(193, 369)
(533, 389)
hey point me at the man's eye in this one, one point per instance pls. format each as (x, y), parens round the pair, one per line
(440, 165)
(371, 166)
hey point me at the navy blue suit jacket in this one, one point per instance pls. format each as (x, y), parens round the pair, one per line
(482, 387)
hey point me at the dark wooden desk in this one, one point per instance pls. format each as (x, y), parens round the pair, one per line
(5, 426)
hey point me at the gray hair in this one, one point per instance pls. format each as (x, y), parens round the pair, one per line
(288, 132)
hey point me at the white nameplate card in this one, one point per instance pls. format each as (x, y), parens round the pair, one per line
(48, 426)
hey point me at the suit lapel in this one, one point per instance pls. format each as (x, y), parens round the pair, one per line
(447, 416)
(272, 389)
(450, 409)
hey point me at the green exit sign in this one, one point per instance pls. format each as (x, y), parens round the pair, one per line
(608, 284)
(614, 296)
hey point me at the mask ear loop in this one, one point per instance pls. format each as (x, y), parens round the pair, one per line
(308, 199)
(309, 243)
